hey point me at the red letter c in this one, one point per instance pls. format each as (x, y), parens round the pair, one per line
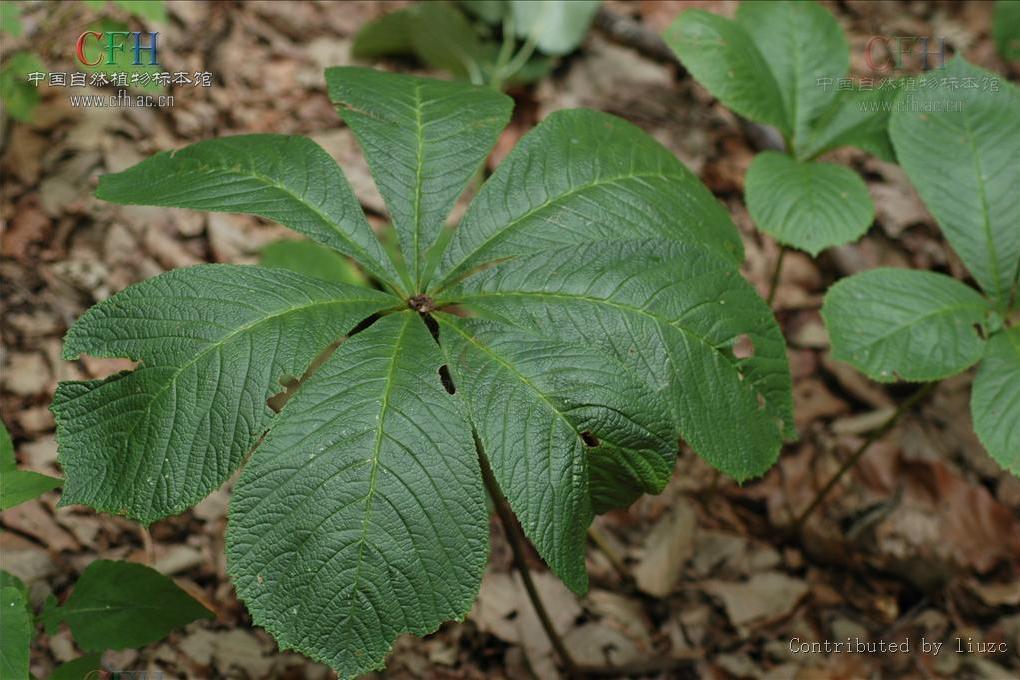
(80, 46)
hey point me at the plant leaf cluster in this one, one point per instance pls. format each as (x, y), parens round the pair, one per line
(960, 148)
(779, 63)
(577, 325)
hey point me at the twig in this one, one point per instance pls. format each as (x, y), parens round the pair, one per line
(774, 283)
(602, 543)
(630, 33)
(861, 450)
(515, 536)
(148, 545)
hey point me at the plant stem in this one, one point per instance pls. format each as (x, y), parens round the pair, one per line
(774, 284)
(875, 435)
(515, 536)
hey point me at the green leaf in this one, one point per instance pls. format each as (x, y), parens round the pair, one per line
(960, 147)
(16, 630)
(443, 38)
(214, 341)
(995, 399)
(19, 96)
(288, 179)
(10, 19)
(723, 57)
(120, 605)
(901, 324)
(82, 668)
(18, 486)
(584, 177)
(802, 43)
(423, 140)
(9, 580)
(811, 206)
(671, 314)
(362, 516)
(1006, 28)
(855, 118)
(311, 259)
(540, 408)
(489, 11)
(389, 35)
(557, 27)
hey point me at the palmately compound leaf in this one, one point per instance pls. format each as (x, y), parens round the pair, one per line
(423, 139)
(723, 57)
(804, 47)
(18, 486)
(960, 147)
(288, 179)
(995, 399)
(609, 314)
(362, 516)
(585, 177)
(902, 324)
(214, 341)
(16, 627)
(120, 605)
(807, 205)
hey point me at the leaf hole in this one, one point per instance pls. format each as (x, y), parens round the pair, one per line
(589, 439)
(743, 347)
(444, 377)
(980, 330)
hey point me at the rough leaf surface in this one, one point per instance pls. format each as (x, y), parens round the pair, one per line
(902, 324)
(362, 516)
(605, 280)
(808, 205)
(214, 341)
(963, 160)
(288, 179)
(423, 139)
(583, 177)
(671, 314)
(539, 405)
(995, 399)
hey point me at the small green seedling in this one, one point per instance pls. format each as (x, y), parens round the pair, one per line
(580, 320)
(465, 43)
(959, 146)
(114, 605)
(779, 63)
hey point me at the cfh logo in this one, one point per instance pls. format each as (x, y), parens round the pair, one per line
(117, 41)
(885, 54)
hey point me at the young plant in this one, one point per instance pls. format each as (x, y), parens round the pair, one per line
(464, 43)
(580, 320)
(115, 605)
(779, 63)
(960, 149)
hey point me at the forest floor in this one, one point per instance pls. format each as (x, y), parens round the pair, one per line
(920, 541)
